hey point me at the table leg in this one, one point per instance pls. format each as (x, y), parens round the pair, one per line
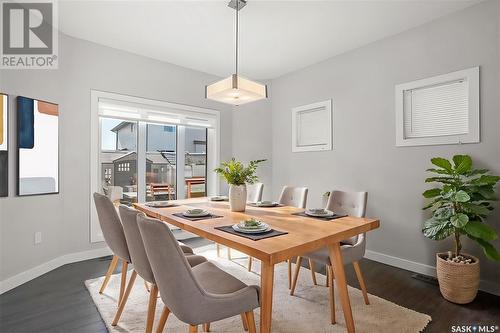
(340, 280)
(266, 305)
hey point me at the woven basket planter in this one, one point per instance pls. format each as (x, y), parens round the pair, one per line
(458, 283)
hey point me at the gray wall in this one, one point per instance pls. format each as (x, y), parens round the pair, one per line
(252, 139)
(64, 218)
(365, 157)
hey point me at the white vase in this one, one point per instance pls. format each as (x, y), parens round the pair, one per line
(237, 197)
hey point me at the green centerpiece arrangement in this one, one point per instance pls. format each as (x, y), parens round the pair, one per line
(237, 175)
(460, 206)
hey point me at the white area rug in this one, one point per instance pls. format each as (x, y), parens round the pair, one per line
(307, 311)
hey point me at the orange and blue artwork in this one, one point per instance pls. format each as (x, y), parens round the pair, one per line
(38, 147)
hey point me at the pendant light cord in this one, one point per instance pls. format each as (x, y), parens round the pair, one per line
(237, 28)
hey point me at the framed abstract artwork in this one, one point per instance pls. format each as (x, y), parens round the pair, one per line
(4, 145)
(38, 147)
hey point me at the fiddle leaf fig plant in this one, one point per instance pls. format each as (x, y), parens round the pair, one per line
(461, 203)
(236, 173)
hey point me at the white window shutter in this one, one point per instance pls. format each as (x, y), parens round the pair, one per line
(439, 110)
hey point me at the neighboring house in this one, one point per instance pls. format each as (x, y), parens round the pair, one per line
(159, 137)
(126, 136)
(125, 169)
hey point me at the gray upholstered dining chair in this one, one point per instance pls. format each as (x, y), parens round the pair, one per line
(112, 231)
(353, 249)
(141, 263)
(254, 194)
(195, 295)
(295, 197)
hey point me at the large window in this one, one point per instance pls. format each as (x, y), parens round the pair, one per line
(145, 150)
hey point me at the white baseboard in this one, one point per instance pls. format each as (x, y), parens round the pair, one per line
(487, 286)
(30, 274)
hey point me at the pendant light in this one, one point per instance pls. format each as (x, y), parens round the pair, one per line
(235, 89)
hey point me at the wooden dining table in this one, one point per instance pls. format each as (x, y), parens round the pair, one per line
(304, 234)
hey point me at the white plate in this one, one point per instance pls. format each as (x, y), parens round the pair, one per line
(159, 204)
(327, 213)
(266, 204)
(201, 214)
(262, 226)
(251, 231)
(219, 198)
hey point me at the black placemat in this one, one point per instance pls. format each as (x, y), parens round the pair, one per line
(211, 216)
(255, 237)
(330, 218)
(253, 204)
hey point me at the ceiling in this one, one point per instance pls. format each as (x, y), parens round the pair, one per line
(276, 37)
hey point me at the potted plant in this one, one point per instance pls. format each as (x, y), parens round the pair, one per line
(459, 207)
(237, 175)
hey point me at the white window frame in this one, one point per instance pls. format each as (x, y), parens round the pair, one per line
(325, 143)
(186, 115)
(473, 136)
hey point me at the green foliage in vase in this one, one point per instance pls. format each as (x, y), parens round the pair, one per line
(236, 173)
(461, 203)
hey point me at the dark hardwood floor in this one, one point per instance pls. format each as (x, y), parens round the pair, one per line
(59, 302)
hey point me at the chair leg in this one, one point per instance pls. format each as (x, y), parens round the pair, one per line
(146, 284)
(331, 294)
(327, 276)
(110, 271)
(244, 321)
(357, 269)
(313, 273)
(163, 320)
(123, 280)
(250, 264)
(218, 250)
(251, 322)
(229, 253)
(296, 275)
(289, 261)
(193, 328)
(206, 327)
(151, 308)
(125, 298)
